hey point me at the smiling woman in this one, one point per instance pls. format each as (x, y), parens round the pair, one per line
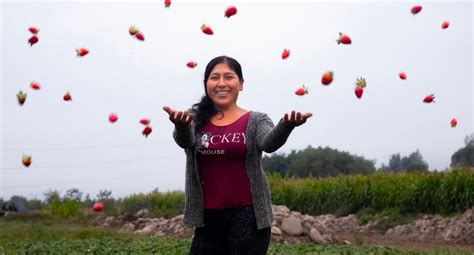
(227, 195)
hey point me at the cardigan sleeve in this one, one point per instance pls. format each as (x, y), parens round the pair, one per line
(270, 137)
(184, 137)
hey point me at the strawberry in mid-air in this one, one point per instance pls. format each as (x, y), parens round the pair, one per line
(454, 122)
(167, 3)
(33, 30)
(145, 121)
(230, 11)
(301, 91)
(133, 30)
(98, 207)
(33, 39)
(81, 52)
(416, 9)
(67, 97)
(358, 91)
(206, 29)
(139, 35)
(21, 97)
(113, 117)
(26, 160)
(285, 54)
(344, 39)
(191, 64)
(327, 78)
(445, 25)
(402, 75)
(429, 99)
(146, 131)
(35, 85)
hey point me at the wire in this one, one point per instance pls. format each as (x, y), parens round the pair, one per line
(93, 164)
(81, 147)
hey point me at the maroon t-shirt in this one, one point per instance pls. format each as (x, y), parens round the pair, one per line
(221, 164)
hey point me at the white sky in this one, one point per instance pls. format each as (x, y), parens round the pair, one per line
(72, 144)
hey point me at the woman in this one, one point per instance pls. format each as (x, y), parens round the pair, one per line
(227, 195)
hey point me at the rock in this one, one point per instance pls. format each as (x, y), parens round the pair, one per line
(316, 236)
(276, 231)
(292, 226)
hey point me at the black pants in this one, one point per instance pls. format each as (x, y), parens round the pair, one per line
(230, 231)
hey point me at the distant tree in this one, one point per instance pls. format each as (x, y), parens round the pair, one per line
(464, 156)
(104, 195)
(413, 163)
(73, 194)
(52, 195)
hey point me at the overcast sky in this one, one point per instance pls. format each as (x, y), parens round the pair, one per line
(72, 144)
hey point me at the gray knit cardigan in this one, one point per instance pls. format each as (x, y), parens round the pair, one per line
(262, 135)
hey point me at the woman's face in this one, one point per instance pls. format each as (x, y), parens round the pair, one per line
(223, 86)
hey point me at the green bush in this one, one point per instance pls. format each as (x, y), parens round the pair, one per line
(64, 209)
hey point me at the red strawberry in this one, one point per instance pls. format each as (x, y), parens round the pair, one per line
(81, 52)
(146, 131)
(358, 91)
(67, 97)
(206, 29)
(113, 117)
(344, 39)
(139, 35)
(445, 25)
(167, 3)
(454, 122)
(429, 99)
(98, 207)
(301, 91)
(285, 54)
(416, 9)
(33, 39)
(230, 11)
(21, 97)
(145, 121)
(33, 30)
(327, 78)
(133, 30)
(402, 75)
(191, 64)
(35, 85)
(26, 160)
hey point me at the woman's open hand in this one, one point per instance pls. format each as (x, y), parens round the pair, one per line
(295, 119)
(181, 119)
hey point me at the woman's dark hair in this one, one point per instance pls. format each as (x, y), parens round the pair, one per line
(206, 108)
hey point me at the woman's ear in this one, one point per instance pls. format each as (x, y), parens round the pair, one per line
(241, 87)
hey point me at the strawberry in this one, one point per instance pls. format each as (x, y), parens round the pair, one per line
(327, 78)
(98, 207)
(445, 25)
(301, 91)
(33, 30)
(402, 75)
(67, 97)
(454, 122)
(191, 64)
(285, 54)
(230, 11)
(360, 82)
(21, 97)
(429, 99)
(35, 85)
(26, 160)
(133, 30)
(416, 9)
(167, 3)
(33, 39)
(139, 35)
(81, 52)
(145, 122)
(113, 117)
(146, 131)
(206, 29)
(344, 39)
(358, 91)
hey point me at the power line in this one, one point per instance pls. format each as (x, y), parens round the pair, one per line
(93, 164)
(82, 147)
